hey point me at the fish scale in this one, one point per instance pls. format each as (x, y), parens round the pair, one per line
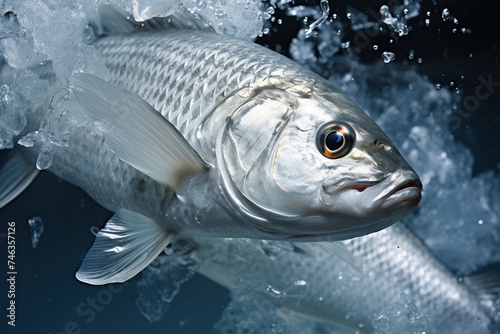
(183, 82)
(407, 264)
(383, 268)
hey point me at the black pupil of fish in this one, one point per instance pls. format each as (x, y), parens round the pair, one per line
(334, 140)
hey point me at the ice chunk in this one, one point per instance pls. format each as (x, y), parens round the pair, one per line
(243, 19)
(388, 56)
(53, 131)
(161, 281)
(146, 9)
(12, 122)
(25, 95)
(36, 229)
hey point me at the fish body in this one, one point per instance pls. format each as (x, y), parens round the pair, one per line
(202, 89)
(391, 276)
(194, 132)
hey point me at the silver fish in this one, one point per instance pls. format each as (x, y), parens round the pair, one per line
(354, 290)
(199, 133)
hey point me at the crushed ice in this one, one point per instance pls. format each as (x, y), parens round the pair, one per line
(162, 279)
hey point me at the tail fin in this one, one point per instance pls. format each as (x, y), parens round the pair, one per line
(486, 284)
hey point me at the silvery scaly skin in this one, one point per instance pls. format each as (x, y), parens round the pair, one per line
(266, 128)
(198, 88)
(348, 292)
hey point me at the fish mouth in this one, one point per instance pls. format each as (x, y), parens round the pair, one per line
(408, 191)
(400, 189)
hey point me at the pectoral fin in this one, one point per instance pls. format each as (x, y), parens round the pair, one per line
(137, 133)
(127, 244)
(16, 174)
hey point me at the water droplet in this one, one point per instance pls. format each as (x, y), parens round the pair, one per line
(428, 13)
(455, 20)
(94, 230)
(446, 14)
(349, 16)
(411, 54)
(452, 83)
(345, 45)
(420, 60)
(36, 228)
(480, 222)
(438, 86)
(470, 55)
(375, 47)
(388, 56)
(427, 22)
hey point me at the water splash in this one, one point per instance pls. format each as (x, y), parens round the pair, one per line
(325, 10)
(398, 25)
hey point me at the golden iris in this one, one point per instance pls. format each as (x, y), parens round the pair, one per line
(335, 140)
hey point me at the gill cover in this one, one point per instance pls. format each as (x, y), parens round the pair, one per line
(247, 148)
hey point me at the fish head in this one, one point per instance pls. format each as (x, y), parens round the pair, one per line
(314, 164)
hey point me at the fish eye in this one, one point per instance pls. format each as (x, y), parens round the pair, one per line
(335, 140)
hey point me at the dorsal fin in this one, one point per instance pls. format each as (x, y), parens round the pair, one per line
(138, 134)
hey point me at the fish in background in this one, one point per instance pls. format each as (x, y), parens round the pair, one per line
(388, 282)
(198, 133)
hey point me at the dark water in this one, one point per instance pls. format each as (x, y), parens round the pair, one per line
(50, 300)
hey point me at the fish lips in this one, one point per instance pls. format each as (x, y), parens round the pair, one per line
(396, 191)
